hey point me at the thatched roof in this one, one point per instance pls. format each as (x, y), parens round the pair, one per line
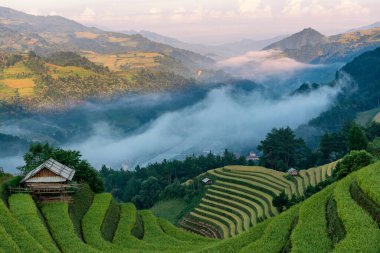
(63, 173)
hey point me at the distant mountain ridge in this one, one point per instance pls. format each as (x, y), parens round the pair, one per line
(313, 47)
(218, 51)
(21, 32)
(306, 38)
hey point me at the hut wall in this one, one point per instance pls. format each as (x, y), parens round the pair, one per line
(45, 173)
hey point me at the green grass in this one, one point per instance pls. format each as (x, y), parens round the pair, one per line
(276, 234)
(169, 209)
(305, 227)
(62, 229)
(6, 242)
(246, 214)
(182, 235)
(242, 195)
(216, 223)
(310, 234)
(111, 221)
(25, 211)
(82, 201)
(93, 220)
(19, 234)
(368, 180)
(235, 244)
(362, 232)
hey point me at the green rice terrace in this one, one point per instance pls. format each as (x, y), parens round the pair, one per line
(343, 217)
(242, 196)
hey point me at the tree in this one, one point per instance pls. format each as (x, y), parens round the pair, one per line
(354, 161)
(332, 147)
(282, 150)
(149, 193)
(374, 147)
(373, 130)
(357, 139)
(281, 201)
(84, 172)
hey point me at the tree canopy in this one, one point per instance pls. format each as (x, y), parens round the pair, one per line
(282, 150)
(357, 139)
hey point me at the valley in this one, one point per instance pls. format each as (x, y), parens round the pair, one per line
(189, 127)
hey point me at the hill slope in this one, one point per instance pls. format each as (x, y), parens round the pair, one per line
(64, 79)
(341, 218)
(48, 34)
(312, 47)
(360, 81)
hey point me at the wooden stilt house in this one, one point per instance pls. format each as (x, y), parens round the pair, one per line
(51, 181)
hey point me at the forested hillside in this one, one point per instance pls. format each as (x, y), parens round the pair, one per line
(360, 82)
(64, 79)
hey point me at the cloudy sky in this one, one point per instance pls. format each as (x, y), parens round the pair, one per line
(211, 21)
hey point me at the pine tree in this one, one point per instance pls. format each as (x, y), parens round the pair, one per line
(357, 139)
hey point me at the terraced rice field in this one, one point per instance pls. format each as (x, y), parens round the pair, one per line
(241, 196)
(10, 87)
(309, 226)
(18, 69)
(120, 62)
(17, 79)
(64, 71)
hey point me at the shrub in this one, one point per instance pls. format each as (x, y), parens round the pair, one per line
(353, 162)
(4, 188)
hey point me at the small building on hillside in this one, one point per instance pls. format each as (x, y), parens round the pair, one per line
(207, 181)
(51, 181)
(252, 157)
(293, 172)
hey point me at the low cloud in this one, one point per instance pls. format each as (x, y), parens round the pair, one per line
(224, 119)
(10, 163)
(261, 65)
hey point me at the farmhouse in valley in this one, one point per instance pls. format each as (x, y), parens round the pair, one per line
(293, 172)
(207, 181)
(252, 157)
(50, 181)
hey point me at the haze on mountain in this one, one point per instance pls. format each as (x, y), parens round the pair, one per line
(273, 72)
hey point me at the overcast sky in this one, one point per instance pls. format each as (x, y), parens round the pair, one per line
(211, 21)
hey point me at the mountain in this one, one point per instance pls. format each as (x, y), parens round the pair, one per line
(217, 52)
(374, 25)
(21, 32)
(359, 81)
(306, 38)
(312, 47)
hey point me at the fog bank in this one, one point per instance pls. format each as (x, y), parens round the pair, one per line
(224, 119)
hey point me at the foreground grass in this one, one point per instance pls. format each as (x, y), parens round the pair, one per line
(25, 211)
(169, 209)
(363, 234)
(62, 229)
